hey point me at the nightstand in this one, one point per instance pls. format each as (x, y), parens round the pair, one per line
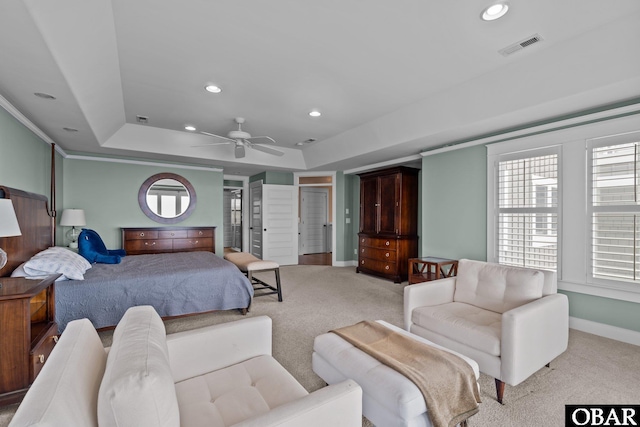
(28, 332)
(431, 268)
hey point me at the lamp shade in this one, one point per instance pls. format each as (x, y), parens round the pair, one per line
(72, 218)
(8, 221)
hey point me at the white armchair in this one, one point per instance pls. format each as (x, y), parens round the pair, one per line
(510, 320)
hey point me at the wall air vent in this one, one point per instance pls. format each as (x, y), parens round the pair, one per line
(521, 45)
(142, 120)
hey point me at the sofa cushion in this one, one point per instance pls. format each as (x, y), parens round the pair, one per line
(496, 287)
(464, 323)
(137, 389)
(65, 393)
(236, 393)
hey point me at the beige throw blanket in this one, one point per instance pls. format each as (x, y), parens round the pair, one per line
(446, 381)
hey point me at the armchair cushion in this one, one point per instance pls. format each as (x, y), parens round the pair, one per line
(465, 323)
(496, 287)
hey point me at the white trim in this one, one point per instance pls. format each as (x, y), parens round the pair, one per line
(622, 293)
(351, 263)
(545, 128)
(142, 162)
(334, 201)
(383, 164)
(603, 330)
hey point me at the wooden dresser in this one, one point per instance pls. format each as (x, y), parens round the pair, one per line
(153, 240)
(388, 234)
(28, 332)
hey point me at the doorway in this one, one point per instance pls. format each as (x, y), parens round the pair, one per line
(315, 231)
(232, 219)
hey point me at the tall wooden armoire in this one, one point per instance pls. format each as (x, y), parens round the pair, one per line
(388, 234)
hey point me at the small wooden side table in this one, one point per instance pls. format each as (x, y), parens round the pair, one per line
(431, 268)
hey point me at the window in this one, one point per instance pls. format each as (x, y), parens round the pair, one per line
(614, 209)
(527, 210)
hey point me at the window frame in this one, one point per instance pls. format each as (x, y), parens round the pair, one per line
(590, 145)
(493, 229)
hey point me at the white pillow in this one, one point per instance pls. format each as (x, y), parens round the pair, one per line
(19, 272)
(137, 389)
(57, 260)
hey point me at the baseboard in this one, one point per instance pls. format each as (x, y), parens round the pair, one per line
(345, 264)
(607, 331)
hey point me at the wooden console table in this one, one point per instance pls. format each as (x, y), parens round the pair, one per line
(431, 268)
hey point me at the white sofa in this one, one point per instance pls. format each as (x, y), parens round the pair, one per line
(219, 375)
(510, 320)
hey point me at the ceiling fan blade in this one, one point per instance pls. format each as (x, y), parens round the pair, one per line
(239, 151)
(267, 150)
(218, 136)
(269, 140)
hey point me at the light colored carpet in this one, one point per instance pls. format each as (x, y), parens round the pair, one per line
(319, 298)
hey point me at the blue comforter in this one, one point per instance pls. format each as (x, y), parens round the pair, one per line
(173, 283)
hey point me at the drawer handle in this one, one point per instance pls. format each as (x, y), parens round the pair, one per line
(362, 262)
(141, 234)
(173, 234)
(147, 243)
(195, 242)
(386, 267)
(387, 243)
(55, 339)
(200, 233)
(362, 251)
(362, 240)
(387, 254)
(41, 358)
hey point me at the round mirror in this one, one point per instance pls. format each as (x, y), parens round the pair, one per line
(167, 198)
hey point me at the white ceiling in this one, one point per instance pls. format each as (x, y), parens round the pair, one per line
(391, 78)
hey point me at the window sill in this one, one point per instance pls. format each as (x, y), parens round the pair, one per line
(603, 291)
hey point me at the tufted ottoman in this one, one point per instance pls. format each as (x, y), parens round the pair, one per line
(388, 398)
(249, 264)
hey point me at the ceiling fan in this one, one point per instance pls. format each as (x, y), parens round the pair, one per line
(242, 139)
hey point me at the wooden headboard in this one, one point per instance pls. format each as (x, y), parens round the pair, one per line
(35, 224)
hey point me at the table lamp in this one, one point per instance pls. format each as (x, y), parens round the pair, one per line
(8, 225)
(73, 218)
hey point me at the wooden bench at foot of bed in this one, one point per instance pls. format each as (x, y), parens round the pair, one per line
(249, 264)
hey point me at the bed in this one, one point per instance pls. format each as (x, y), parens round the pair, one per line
(175, 284)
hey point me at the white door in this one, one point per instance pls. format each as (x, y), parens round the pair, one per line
(314, 218)
(255, 218)
(280, 223)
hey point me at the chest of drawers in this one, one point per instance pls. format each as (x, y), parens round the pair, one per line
(153, 240)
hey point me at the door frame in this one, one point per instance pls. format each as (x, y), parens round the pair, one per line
(332, 174)
(245, 205)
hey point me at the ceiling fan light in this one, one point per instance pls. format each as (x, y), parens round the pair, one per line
(213, 88)
(495, 11)
(315, 113)
(190, 128)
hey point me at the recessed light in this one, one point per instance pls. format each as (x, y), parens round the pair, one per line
(190, 128)
(44, 95)
(299, 143)
(315, 113)
(495, 11)
(213, 88)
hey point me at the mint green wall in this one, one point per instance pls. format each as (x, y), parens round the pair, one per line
(344, 231)
(454, 204)
(232, 183)
(108, 192)
(25, 160)
(270, 177)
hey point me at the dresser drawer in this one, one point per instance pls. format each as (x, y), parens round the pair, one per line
(41, 351)
(149, 246)
(140, 234)
(172, 234)
(376, 242)
(377, 266)
(387, 255)
(194, 244)
(200, 233)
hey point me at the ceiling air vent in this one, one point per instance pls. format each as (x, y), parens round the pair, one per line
(521, 45)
